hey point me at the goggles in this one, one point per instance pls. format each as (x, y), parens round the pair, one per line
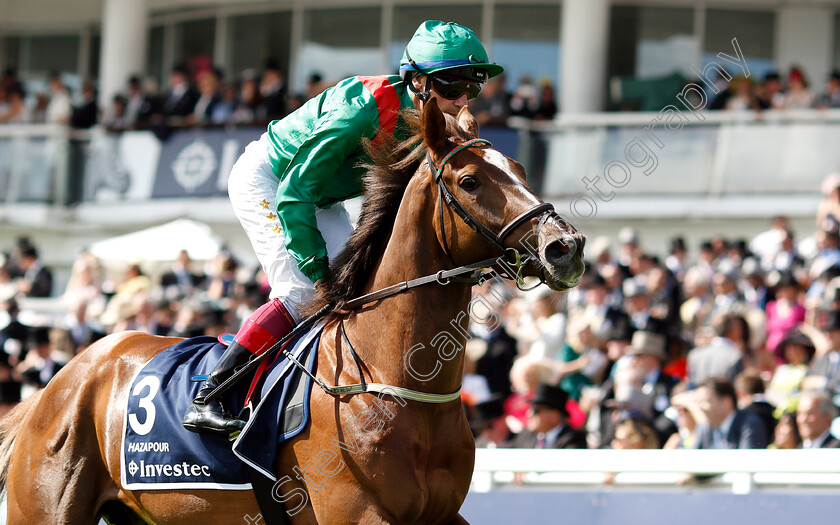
(452, 88)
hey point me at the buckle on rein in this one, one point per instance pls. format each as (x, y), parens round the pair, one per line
(519, 261)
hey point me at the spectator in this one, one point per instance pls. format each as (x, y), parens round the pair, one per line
(208, 97)
(523, 100)
(727, 427)
(248, 99)
(797, 350)
(814, 415)
(686, 413)
(497, 360)
(492, 106)
(547, 424)
(582, 362)
(831, 97)
(634, 431)
(139, 104)
(14, 336)
(273, 92)
(824, 372)
(767, 244)
(770, 94)
(224, 111)
(180, 101)
(488, 423)
(547, 107)
(637, 303)
(180, 280)
(784, 313)
(60, 108)
(786, 435)
(10, 385)
(829, 208)
(798, 96)
(116, 117)
(743, 96)
(543, 327)
(676, 261)
(41, 364)
(36, 280)
(749, 389)
(314, 86)
(16, 111)
(86, 114)
(525, 375)
(721, 357)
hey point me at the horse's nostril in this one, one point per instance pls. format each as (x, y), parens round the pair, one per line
(556, 251)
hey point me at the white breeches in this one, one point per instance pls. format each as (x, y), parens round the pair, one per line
(252, 187)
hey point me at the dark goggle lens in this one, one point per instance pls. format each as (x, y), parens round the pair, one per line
(452, 88)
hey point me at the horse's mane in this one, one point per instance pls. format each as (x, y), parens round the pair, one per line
(391, 166)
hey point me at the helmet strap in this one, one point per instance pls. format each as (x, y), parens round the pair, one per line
(422, 95)
(426, 93)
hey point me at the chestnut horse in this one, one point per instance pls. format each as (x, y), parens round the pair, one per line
(60, 450)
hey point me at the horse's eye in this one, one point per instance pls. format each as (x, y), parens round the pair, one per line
(468, 183)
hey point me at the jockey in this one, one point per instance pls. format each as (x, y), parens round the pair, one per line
(287, 188)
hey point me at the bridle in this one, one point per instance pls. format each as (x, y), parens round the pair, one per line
(546, 210)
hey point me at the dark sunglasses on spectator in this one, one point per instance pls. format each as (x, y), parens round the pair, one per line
(452, 88)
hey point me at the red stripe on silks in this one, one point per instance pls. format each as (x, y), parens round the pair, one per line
(387, 102)
(255, 338)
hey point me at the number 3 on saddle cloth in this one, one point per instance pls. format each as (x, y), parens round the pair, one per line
(159, 454)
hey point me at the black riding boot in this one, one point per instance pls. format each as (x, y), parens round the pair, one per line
(212, 416)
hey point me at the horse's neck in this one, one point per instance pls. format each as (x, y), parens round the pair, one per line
(395, 326)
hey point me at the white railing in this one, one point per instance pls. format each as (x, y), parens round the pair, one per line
(743, 471)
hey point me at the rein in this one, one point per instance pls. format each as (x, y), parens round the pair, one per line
(443, 277)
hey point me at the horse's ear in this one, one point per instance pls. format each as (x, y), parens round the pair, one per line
(467, 122)
(434, 125)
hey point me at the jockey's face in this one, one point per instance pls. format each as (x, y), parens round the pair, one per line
(451, 106)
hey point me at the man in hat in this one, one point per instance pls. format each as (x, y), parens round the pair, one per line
(488, 423)
(644, 356)
(727, 427)
(636, 303)
(547, 425)
(721, 357)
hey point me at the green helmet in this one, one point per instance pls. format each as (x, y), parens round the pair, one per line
(446, 46)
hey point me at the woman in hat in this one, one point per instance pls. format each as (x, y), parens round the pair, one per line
(784, 313)
(798, 350)
(288, 186)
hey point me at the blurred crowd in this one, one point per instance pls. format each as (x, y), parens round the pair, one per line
(198, 94)
(792, 91)
(733, 343)
(186, 299)
(723, 91)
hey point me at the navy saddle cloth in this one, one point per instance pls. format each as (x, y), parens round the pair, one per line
(159, 454)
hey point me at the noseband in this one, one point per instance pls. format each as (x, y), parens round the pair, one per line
(446, 195)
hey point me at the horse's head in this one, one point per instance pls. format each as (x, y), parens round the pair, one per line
(498, 210)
